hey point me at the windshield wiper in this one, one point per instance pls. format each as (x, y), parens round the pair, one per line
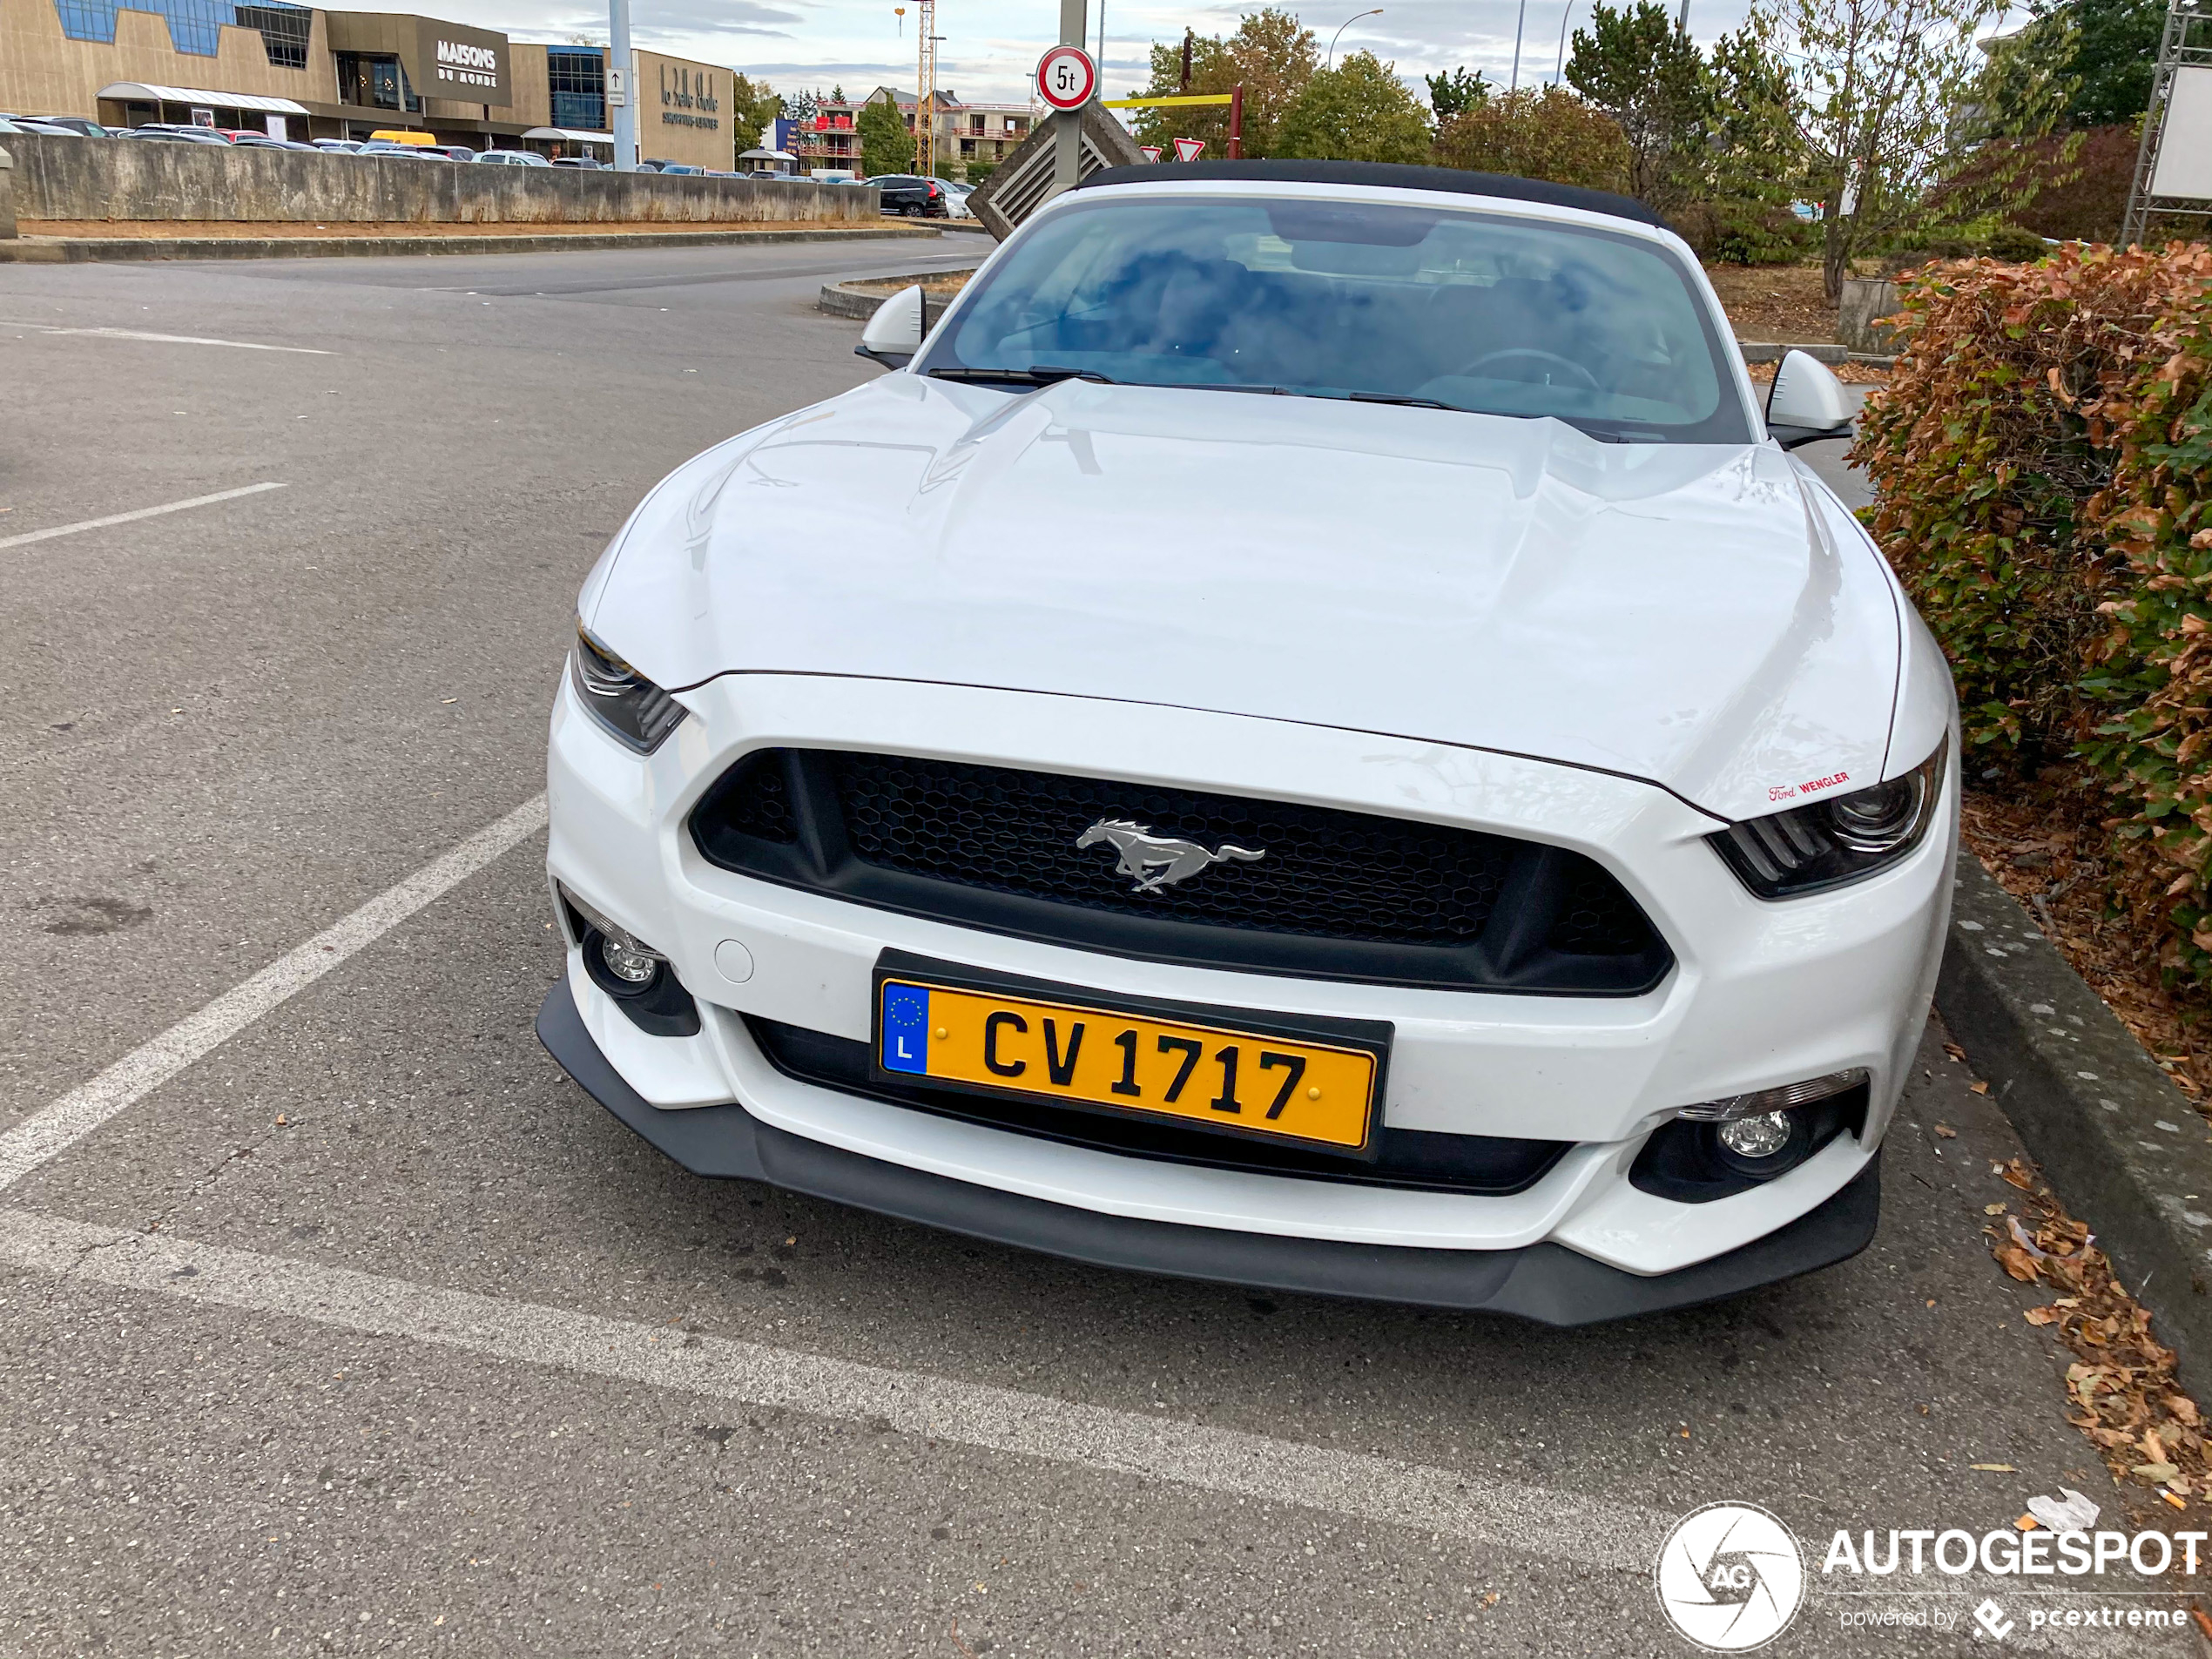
(1040, 374)
(1404, 402)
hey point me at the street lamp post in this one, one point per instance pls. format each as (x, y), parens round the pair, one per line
(624, 96)
(1520, 23)
(1347, 23)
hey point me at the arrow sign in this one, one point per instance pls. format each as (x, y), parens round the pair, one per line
(1189, 149)
(1152, 151)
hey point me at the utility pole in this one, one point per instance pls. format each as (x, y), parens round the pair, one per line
(622, 97)
(1068, 125)
(1520, 23)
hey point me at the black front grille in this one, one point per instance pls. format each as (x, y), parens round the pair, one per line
(1334, 894)
(1490, 1164)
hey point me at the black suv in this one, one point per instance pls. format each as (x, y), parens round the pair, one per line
(902, 192)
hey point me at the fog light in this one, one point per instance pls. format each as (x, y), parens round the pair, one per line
(1756, 1137)
(627, 960)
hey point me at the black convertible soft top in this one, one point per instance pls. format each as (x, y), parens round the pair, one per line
(1386, 174)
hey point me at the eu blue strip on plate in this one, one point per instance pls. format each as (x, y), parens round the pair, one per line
(905, 1026)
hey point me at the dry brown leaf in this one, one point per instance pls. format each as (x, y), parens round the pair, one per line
(1943, 1131)
(2043, 1316)
(2017, 1263)
(1992, 1209)
(1977, 1088)
(1994, 1468)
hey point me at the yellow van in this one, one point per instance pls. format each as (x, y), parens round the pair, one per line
(393, 135)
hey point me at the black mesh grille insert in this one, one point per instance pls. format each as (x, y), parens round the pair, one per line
(1338, 876)
(1333, 894)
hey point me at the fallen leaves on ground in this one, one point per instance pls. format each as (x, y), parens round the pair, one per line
(2121, 1390)
(2040, 845)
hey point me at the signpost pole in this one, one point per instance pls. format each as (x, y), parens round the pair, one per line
(1067, 125)
(1236, 121)
(620, 93)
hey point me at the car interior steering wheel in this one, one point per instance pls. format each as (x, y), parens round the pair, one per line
(1581, 377)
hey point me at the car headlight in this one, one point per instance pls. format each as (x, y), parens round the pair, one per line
(627, 704)
(1844, 837)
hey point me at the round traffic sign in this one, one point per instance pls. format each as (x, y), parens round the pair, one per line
(1067, 77)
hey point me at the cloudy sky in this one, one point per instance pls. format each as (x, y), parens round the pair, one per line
(990, 46)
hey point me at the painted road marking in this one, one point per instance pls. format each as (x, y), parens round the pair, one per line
(1564, 1526)
(1478, 1508)
(56, 1127)
(128, 518)
(168, 340)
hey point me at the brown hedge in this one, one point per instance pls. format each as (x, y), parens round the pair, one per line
(2044, 457)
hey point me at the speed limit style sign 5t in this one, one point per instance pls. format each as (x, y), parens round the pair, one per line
(1067, 77)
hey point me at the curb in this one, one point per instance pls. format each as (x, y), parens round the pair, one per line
(2125, 1148)
(850, 300)
(78, 250)
(1767, 351)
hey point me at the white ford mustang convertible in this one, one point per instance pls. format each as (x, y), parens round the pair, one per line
(1312, 734)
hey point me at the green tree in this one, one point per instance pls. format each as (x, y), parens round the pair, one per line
(1753, 165)
(885, 145)
(1454, 92)
(753, 106)
(1271, 56)
(1548, 133)
(2092, 59)
(1879, 86)
(1640, 66)
(1358, 112)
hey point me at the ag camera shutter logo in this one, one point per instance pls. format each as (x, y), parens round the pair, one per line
(1730, 1577)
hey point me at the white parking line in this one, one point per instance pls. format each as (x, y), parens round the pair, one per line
(168, 340)
(1564, 1527)
(56, 1127)
(26, 539)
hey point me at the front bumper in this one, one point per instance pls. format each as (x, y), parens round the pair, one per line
(1545, 1282)
(1761, 995)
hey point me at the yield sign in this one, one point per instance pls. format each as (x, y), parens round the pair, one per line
(1189, 149)
(1152, 151)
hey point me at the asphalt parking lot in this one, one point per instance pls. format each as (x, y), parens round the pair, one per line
(335, 1320)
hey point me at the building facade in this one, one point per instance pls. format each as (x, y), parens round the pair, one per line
(302, 72)
(967, 133)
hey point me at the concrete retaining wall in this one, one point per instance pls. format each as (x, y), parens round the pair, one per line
(109, 178)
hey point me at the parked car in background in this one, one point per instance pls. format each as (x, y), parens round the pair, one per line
(347, 146)
(235, 133)
(179, 135)
(450, 151)
(41, 126)
(956, 199)
(671, 166)
(259, 141)
(8, 127)
(77, 124)
(586, 162)
(512, 158)
(420, 152)
(916, 197)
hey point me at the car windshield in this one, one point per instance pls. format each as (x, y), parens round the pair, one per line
(1491, 314)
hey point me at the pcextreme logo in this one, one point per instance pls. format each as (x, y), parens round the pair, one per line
(1730, 1577)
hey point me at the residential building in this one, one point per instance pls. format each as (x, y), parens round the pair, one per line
(967, 132)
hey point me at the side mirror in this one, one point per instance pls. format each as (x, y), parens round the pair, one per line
(1806, 403)
(893, 335)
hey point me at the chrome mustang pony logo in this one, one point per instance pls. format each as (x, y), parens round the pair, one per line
(1156, 860)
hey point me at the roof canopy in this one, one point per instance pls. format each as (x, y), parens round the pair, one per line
(138, 92)
(568, 135)
(768, 155)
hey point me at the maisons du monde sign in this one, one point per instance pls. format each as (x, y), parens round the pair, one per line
(688, 98)
(454, 61)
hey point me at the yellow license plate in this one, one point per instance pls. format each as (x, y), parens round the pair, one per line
(1215, 1076)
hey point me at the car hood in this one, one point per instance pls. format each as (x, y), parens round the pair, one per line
(1674, 613)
